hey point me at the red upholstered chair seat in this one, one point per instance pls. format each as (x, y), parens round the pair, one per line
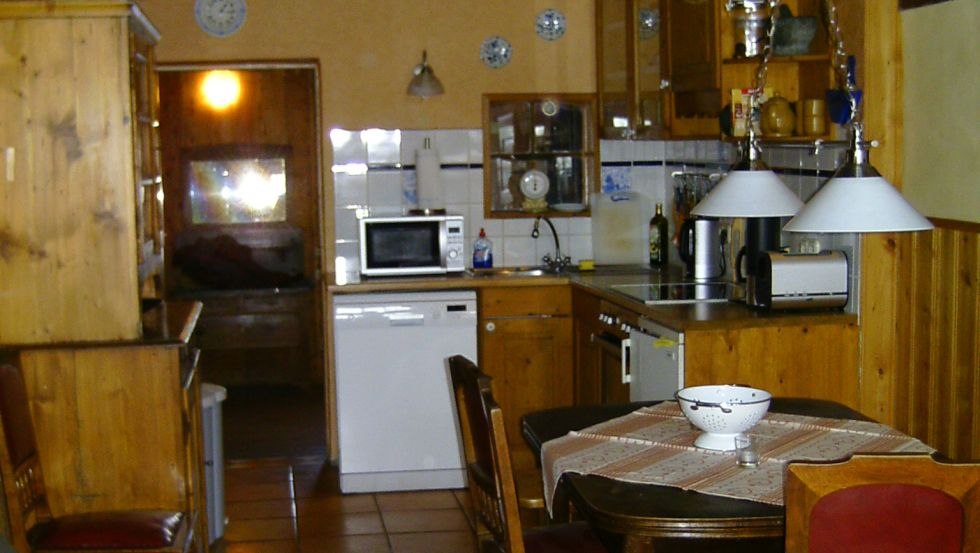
(905, 518)
(109, 530)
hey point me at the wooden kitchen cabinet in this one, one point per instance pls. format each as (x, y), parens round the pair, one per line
(657, 63)
(690, 45)
(628, 54)
(257, 337)
(525, 344)
(814, 360)
(148, 169)
(675, 84)
(795, 78)
(547, 139)
(119, 424)
(801, 357)
(76, 128)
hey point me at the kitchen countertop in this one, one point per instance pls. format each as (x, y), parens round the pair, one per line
(681, 317)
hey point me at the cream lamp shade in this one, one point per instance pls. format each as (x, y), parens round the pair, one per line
(749, 193)
(857, 199)
(857, 204)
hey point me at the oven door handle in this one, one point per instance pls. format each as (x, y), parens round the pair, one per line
(619, 348)
(624, 359)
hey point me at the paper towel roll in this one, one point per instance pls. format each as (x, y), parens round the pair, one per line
(428, 179)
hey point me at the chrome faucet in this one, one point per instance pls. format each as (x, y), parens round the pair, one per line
(558, 263)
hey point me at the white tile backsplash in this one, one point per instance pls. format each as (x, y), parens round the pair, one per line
(385, 189)
(641, 166)
(383, 146)
(453, 145)
(350, 190)
(347, 147)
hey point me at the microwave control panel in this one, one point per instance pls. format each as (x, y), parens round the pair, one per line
(455, 244)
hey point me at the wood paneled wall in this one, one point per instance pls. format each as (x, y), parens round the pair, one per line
(919, 362)
(937, 390)
(277, 107)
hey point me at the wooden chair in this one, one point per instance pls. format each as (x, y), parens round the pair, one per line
(900, 503)
(491, 478)
(34, 529)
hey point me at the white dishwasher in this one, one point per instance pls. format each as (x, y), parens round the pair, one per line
(395, 407)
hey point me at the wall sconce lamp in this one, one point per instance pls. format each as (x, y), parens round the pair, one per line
(856, 198)
(424, 82)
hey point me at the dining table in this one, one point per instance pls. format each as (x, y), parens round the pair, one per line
(646, 517)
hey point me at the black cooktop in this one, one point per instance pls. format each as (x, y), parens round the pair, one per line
(681, 292)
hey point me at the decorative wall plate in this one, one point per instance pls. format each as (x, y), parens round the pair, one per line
(219, 18)
(550, 24)
(495, 51)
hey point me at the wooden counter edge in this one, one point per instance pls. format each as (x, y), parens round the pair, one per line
(740, 316)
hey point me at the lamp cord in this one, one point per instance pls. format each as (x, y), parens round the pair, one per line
(840, 58)
(755, 103)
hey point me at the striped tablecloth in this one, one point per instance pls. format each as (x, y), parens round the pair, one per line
(655, 445)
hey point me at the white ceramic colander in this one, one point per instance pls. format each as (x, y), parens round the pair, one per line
(722, 412)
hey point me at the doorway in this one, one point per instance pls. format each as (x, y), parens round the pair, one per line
(242, 211)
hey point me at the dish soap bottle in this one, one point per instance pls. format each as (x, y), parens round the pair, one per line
(658, 238)
(482, 252)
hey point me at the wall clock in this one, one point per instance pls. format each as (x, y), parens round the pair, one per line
(219, 18)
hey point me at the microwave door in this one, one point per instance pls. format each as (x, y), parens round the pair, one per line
(657, 364)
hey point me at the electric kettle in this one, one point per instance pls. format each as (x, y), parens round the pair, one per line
(700, 248)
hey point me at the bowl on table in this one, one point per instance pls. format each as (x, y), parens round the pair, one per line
(723, 412)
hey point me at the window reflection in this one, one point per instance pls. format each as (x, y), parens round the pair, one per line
(230, 191)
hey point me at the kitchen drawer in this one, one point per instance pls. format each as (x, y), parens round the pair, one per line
(250, 331)
(525, 301)
(274, 303)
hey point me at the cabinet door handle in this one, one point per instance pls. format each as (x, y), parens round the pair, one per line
(624, 359)
(490, 327)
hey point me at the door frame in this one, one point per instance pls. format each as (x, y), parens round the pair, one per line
(319, 287)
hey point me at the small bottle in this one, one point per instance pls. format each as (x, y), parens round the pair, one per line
(658, 238)
(482, 251)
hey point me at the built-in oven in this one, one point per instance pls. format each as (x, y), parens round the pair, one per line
(612, 336)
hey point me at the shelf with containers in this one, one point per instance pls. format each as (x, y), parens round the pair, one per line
(539, 154)
(803, 75)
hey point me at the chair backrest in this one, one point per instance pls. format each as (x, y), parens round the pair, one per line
(899, 503)
(20, 464)
(491, 478)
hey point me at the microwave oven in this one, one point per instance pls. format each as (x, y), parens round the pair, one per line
(412, 245)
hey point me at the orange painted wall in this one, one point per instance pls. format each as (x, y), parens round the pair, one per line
(367, 49)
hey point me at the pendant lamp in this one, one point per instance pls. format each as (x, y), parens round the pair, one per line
(856, 198)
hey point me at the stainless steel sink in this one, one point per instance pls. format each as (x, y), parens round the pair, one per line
(529, 271)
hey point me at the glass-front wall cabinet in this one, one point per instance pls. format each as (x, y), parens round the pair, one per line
(630, 77)
(539, 154)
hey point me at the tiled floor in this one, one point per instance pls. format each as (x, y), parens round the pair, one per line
(294, 505)
(282, 497)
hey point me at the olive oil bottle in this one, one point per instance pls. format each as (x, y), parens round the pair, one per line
(658, 238)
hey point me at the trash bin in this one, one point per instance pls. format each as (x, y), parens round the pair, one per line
(214, 458)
